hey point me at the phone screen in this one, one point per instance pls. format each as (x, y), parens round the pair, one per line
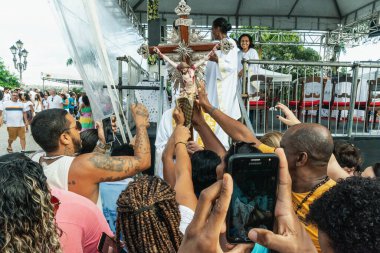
(254, 194)
(107, 128)
(108, 245)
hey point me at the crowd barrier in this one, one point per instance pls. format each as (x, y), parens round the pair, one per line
(343, 96)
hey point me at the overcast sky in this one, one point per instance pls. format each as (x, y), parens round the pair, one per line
(33, 22)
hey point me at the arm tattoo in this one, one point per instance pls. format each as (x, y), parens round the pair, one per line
(105, 162)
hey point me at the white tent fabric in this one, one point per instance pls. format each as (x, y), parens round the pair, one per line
(96, 32)
(277, 76)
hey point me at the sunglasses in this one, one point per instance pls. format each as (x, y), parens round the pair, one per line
(55, 202)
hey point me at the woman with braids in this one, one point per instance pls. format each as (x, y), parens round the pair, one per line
(148, 216)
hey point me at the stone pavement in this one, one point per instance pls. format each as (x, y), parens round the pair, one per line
(31, 145)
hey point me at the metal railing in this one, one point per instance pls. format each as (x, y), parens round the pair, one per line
(343, 96)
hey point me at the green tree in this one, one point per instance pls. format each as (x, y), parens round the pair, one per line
(7, 79)
(278, 52)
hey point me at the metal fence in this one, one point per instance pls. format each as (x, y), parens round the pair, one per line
(343, 96)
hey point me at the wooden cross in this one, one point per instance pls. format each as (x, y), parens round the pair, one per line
(183, 11)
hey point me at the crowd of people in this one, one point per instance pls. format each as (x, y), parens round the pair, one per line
(51, 201)
(18, 107)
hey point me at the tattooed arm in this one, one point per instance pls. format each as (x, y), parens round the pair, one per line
(94, 167)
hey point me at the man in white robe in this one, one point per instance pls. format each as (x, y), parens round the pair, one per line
(221, 86)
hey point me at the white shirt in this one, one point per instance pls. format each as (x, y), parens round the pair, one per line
(32, 95)
(37, 106)
(14, 113)
(27, 105)
(186, 217)
(251, 54)
(7, 97)
(55, 102)
(57, 173)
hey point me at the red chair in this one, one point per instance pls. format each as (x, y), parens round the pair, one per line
(371, 105)
(310, 96)
(260, 105)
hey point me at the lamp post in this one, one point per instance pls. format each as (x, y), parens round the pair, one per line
(18, 50)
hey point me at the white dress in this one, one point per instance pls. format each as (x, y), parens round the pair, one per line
(253, 69)
(221, 84)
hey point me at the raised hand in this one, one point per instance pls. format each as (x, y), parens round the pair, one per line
(181, 134)
(291, 235)
(202, 96)
(193, 147)
(179, 116)
(140, 115)
(202, 235)
(290, 119)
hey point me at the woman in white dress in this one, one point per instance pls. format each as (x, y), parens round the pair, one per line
(247, 52)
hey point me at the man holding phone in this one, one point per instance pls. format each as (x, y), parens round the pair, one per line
(56, 132)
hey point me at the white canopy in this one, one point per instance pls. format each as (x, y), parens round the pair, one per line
(277, 77)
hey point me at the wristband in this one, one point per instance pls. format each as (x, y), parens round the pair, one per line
(180, 142)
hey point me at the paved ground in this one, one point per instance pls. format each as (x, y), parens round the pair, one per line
(31, 145)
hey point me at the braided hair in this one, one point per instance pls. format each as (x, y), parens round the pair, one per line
(147, 210)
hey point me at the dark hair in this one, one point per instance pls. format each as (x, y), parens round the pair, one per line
(89, 139)
(85, 100)
(123, 150)
(63, 96)
(347, 155)
(240, 148)
(203, 164)
(376, 169)
(147, 210)
(47, 126)
(349, 214)
(27, 97)
(26, 213)
(249, 37)
(223, 24)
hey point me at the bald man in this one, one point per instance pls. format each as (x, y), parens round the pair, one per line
(308, 148)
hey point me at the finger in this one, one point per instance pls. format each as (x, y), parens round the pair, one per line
(285, 181)
(283, 120)
(219, 211)
(270, 240)
(206, 198)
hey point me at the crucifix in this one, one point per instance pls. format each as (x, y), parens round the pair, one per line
(187, 71)
(184, 47)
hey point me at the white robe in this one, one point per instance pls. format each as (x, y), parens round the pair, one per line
(221, 85)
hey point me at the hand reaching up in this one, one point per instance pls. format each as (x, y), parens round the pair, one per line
(202, 235)
(179, 116)
(290, 119)
(140, 115)
(291, 236)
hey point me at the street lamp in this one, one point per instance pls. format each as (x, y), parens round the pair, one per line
(18, 50)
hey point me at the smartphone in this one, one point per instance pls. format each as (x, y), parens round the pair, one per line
(107, 129)
(254, 195)
(108, 245)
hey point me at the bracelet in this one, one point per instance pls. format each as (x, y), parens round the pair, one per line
(180, 142)
(212, 110)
